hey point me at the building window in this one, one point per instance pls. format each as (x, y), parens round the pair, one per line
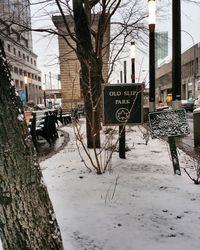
(21, 85)
(27, 58)
(15, 70)
(29, 75)
(198, 86)
(11, 68)
(20, 72)
(19, 54)
(35, 62)
(17, 84)
(31, 61)
(14, 51)
(24, 57)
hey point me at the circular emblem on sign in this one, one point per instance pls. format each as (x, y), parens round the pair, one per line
(122, 114)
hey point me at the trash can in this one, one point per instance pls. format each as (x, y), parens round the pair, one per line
(196, 127)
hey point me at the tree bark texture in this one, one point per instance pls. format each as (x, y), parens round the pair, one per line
(27, 219)
(91, 87)
(91, 71)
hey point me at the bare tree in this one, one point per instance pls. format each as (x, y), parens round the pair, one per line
(90, 55)
(193, 172)
(27, 219)
(126, 19)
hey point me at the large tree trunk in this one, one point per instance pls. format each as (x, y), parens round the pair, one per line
(27, 220)
(91, 70)
(91, 85)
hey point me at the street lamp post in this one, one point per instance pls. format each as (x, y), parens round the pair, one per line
(152, 23)
(122, 129)
(26, 87)
(121, 76)
(176, 54)
(176, 76)
(133, 62)
(44, 95)
(125, 70)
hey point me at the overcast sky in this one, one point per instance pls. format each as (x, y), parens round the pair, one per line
(190, 34)
(47, 49)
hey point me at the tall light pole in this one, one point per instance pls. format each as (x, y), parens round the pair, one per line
(44, 92)
(152, 24)
(176, 54)
(122, 129)
(133, 62)
(121, 76)
(176, 75)
(50, 79)
(26, 87)
(125, 70)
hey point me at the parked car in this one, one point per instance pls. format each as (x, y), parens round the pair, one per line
(188, 105)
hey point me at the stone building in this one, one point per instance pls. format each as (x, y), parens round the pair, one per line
(190, 74)
(19, 49)
(69, 64)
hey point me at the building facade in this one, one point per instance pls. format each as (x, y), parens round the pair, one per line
(161, 46)
(14, 14)
(70, 66)
(190, 75)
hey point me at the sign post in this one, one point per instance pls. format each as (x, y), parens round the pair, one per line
(122, 142)
(174, 155)
(123, 104)
(169, 124)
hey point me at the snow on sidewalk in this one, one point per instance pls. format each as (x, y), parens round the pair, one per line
(139, 205)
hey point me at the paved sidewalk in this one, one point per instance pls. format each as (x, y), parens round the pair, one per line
(45, 151)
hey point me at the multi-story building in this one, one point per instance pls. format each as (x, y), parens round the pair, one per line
(161, 46)
(190, 75)
(14, 17)
(70, 66)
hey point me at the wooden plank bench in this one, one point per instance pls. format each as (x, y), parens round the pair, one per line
(65, 116)
(43, 124)
(81, 110)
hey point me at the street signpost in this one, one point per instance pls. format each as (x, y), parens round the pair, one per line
(169, 124)
(123, 104)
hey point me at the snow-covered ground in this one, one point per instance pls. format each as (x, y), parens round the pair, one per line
(139, 205)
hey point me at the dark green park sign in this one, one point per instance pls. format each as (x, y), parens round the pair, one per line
(123, 104)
